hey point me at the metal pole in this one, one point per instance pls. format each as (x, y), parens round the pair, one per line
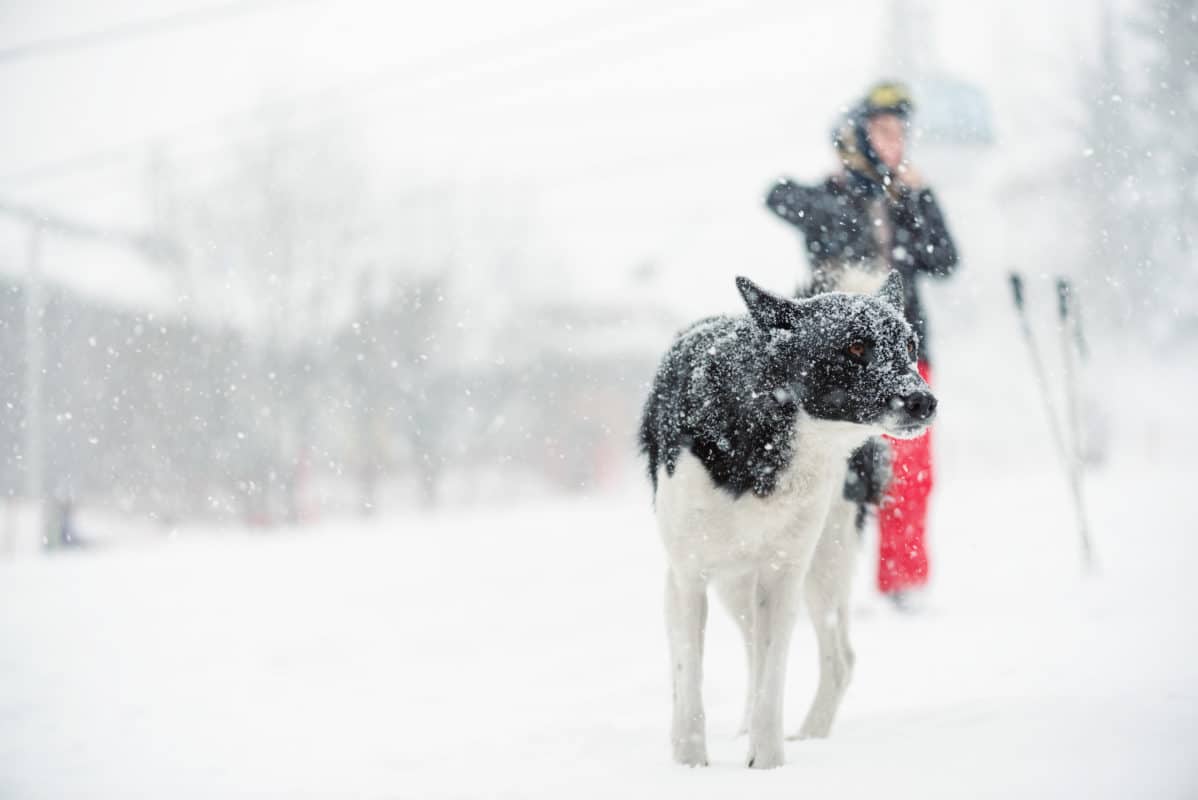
(1038, 366)
(40, 222)
(1069, 339)
(1067, 444)
(34, 455)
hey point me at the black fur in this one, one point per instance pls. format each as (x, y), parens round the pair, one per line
(869, 473)
(730, 388)
(868, 478)
(701, 401)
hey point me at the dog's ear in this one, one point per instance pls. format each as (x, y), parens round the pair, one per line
(891, 292)
(767, 309)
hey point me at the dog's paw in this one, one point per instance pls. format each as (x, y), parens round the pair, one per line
(811, 730)
(767, 757)
(690, 753)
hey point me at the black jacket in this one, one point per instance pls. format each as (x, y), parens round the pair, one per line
(837, 221)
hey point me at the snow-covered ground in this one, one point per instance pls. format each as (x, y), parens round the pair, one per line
(521, 653)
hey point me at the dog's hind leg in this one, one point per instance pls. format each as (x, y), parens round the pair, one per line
(773, 622)
(686, 617)
(738, 595)
(827, 593)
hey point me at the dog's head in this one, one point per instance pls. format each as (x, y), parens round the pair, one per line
(845, 357)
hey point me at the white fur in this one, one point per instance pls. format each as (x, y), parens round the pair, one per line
(827, 592)
(757, 552)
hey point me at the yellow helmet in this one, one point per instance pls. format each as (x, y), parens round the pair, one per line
(888, 97)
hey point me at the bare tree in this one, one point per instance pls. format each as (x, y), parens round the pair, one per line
(399, 358)
(1169, 102)
(273, 247)
(1104, 176)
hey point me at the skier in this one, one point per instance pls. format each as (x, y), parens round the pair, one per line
(878, 214)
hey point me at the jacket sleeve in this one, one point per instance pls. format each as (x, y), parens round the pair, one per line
(791, 202)
(928, 242)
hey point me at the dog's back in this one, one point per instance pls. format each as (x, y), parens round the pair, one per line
(704, 399)
(660, 431)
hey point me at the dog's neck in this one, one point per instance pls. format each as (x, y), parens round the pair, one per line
(818, 448)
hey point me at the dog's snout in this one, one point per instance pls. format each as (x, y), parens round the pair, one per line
(920, 405)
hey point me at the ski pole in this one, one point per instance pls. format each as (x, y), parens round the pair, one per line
(1037, 365)
(1067, 298)
(1058, 437)
(1070, 338)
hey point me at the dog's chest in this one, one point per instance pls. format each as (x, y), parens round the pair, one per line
(711, 530)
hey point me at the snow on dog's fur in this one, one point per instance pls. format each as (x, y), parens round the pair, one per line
(747, 429)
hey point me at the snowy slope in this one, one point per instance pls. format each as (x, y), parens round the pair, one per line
(521, 654)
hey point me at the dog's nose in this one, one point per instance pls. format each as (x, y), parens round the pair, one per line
(920, 405)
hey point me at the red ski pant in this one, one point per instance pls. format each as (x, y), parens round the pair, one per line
(902, 519)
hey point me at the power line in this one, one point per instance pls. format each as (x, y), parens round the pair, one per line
(145, 244)
(138, 29)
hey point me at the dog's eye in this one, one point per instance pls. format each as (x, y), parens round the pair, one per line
(857, 349)
(911, 348)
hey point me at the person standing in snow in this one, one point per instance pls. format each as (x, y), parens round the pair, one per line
(876, 214)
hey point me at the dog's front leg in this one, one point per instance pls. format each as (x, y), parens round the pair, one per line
(686, 617)
(827, 590)
(777, 606)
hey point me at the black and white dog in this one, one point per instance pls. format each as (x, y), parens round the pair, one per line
(748, 428)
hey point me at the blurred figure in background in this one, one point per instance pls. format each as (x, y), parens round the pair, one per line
(876, 215)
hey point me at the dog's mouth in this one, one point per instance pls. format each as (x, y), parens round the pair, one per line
(907, 430)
